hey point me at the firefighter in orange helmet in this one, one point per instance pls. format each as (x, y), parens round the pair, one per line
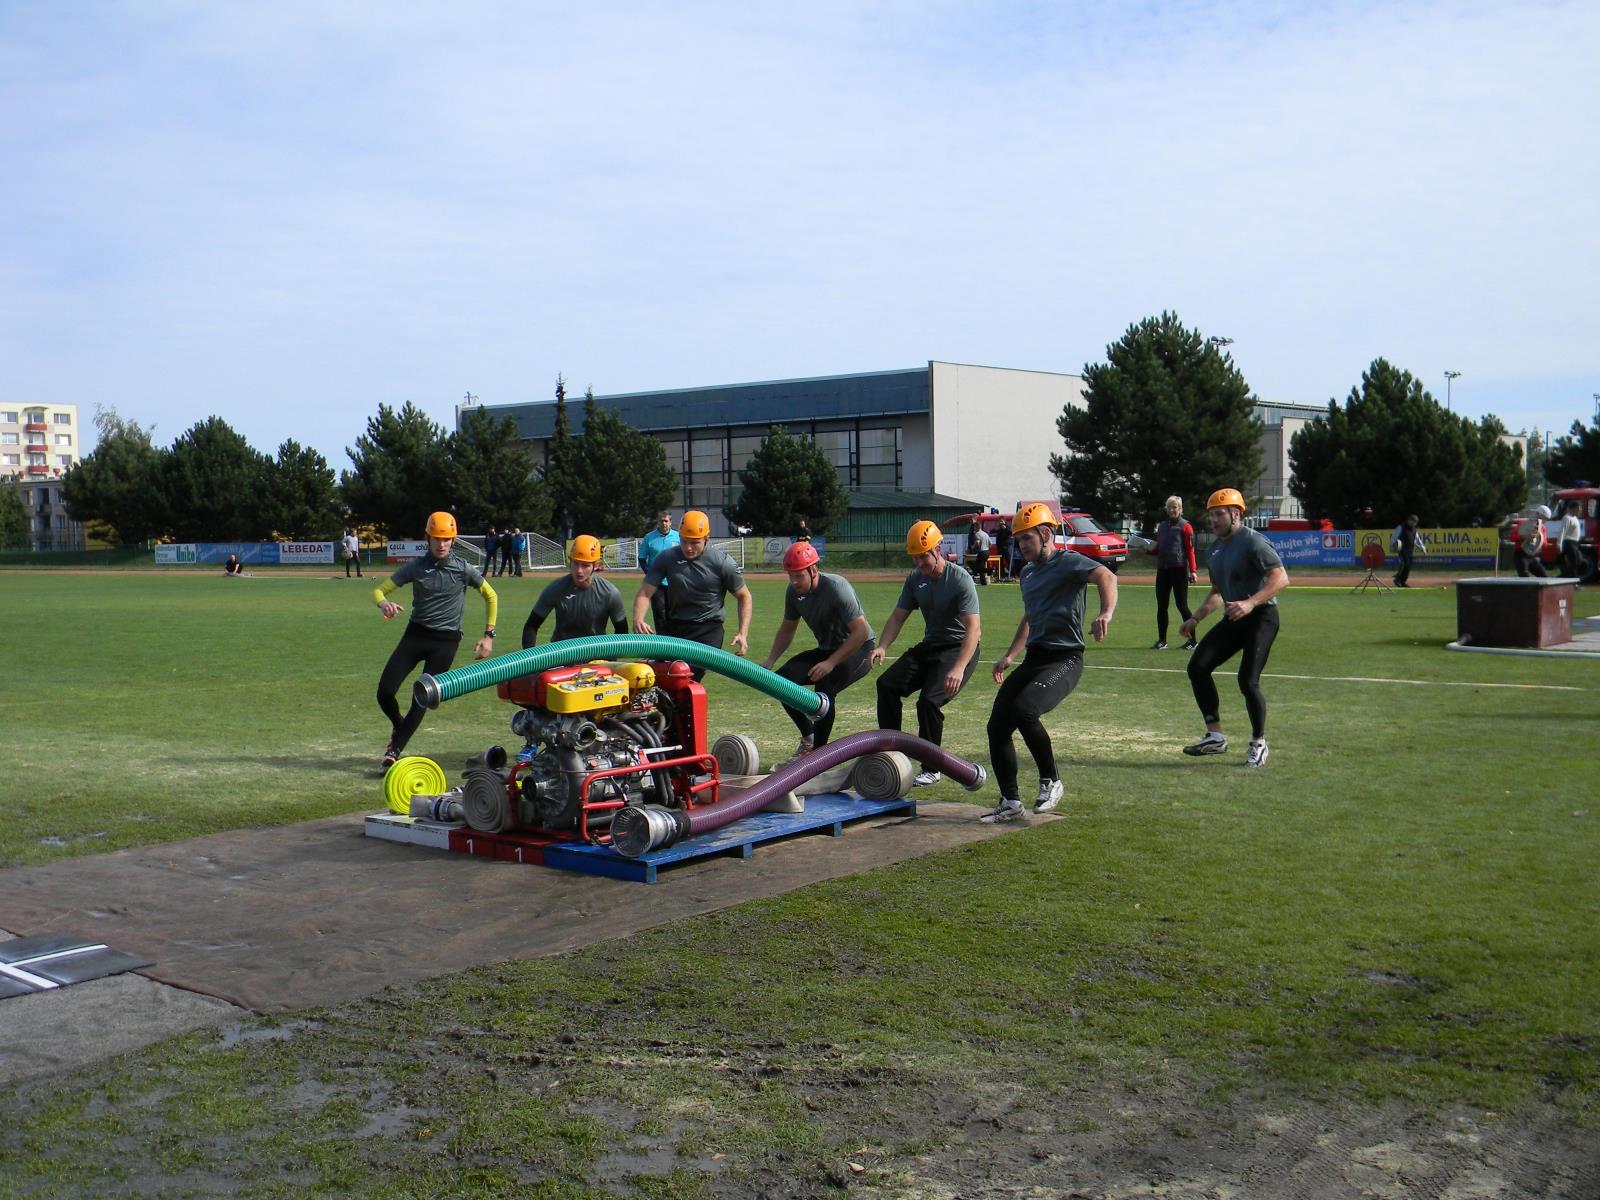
(582, 600)
(697, 576)
(1246, 577)
(439, 581)
(938, 666)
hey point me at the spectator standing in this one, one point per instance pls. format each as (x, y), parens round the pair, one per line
(1530, 545)
(938, 666)
(491, 550)
(1246, 577)
(583, 601)
(829, 607)
(1571, 535)
(978, 555)
(519, 550)
(1407, 542)
(1051, 629)
(352, 553)
(662, 537)
(803, 533)
(439, 581)
(698, 577)
(507, 550)
(1002, 551)
(1175, 568)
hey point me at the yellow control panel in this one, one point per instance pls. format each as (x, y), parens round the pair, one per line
(586, 692)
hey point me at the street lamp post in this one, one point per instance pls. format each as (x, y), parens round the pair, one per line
(1449, 378)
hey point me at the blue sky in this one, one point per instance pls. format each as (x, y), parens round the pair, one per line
(286, 214)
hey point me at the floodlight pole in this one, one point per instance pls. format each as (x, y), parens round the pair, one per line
(1449, 378)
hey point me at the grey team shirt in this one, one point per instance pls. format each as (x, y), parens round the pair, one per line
(827, 609)
(1239, 564)
(580, 612)
(944, 602)
(1052, 599)
(438, 590)
(695, 587)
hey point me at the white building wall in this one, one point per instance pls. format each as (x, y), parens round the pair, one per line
(994, 429)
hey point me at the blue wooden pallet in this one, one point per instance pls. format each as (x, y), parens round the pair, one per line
(830, 812)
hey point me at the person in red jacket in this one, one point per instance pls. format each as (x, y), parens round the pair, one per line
(1173, 548)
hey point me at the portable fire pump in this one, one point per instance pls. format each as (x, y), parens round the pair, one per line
(598, 737)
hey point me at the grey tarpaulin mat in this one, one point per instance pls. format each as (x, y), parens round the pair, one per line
(315, 913)
(44, 961)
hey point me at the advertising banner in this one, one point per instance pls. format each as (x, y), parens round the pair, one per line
(400, 550)
(1313, 547)
(1446, 547)
(175, 552)
(305, 552)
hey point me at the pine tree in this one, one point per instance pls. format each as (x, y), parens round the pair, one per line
(627, 472)
(563, 470)
(213, 482)
(302, 495)
(1576, 456)
(401, 472)
(1393, 448)
(1166, 414)
(788, 478)
(492, 480)
(116, 490)
(15, 533)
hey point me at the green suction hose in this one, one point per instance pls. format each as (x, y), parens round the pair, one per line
(430, 691)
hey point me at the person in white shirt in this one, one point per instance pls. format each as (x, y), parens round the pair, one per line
(1571, 535)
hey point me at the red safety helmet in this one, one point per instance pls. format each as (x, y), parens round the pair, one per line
(799, 556)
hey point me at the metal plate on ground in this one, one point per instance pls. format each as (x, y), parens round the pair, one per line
(44, 961)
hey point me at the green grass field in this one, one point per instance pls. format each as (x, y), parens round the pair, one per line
(1399, 913)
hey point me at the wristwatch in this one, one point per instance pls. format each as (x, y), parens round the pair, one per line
(489, 632)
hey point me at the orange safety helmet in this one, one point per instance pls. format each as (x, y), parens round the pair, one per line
(441, 525)
(695, 524)
(922, 537)
(1226, 498)
(586, 548)
(799, 556)
(1031, 516)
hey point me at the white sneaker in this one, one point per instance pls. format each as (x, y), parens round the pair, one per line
(1212, 743)
(924, 778)
(1256, 756)
(1006, 810)
(1049, 795)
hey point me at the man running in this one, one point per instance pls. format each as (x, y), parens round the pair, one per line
(439, 581)
(1051, 628)
(697, 577)
(830, 608)
(1246, 576)
(938, 666)
(582, 600)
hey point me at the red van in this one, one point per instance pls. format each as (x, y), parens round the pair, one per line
(1074, 531)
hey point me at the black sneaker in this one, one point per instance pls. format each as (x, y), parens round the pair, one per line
(1159, 646)
(1212, 743)
(390, 755)
(1190, 644)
